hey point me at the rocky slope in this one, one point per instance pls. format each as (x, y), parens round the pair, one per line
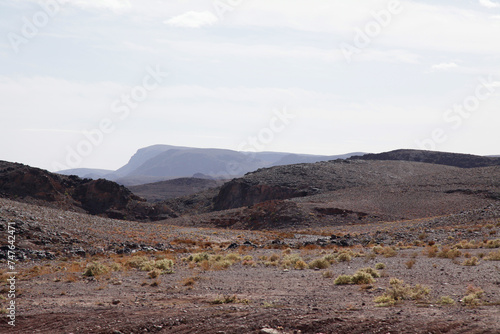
(433, 157)
(97, 197)
(158, 191)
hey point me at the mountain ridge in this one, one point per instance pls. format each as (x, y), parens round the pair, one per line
(165, 162)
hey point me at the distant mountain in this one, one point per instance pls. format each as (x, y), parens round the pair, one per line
(434, 157)
(176, 163)
(141, 156)
(165, 162)
(87, 173)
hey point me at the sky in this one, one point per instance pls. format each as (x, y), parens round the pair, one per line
(86, 83)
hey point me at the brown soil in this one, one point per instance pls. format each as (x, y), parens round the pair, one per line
(58, 300)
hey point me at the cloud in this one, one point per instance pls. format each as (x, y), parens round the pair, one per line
(444, 66)
(489, 4)
(113, 5)
(193, 19)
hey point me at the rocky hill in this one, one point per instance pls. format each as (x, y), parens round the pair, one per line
(97, 197)
(334, 192)
(433, 157)
(159, 191)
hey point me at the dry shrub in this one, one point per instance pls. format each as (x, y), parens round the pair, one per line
(230, 299)
(343, 280)
(362, 278)
(449, 253)
(473, 296)
(430, 251)
(319, 264)
(493, 243)
(399, 291)
(300, 265)
(190, 281)
(464, 244)
(95, 269)
(327, 274)
(445, 300)
(293, 261)
(493, 256)
(409, 264)
(473, 261)
(274, 258)
(344, 257)
(155, 273)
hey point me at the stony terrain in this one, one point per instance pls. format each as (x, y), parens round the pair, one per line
(332, 247)
(160, 191)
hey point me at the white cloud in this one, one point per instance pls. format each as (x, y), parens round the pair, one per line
(444, 66)
(388, 56)
(489, 4)
(192, 19)
(114, 5)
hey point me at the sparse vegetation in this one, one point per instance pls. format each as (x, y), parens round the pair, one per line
(410, 263)
(94, 269)
(473, 296)
(449, 253)
(399, 291)
(493, 256)
(319, 264)
(327, 274)
(473, 261)
(362, 276)
(230, 299)
(493, 243)
(446, 300)
(343, 280)
(344, 257)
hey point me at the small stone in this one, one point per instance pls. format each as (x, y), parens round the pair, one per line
(269, 331)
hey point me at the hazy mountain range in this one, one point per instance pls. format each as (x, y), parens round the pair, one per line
(162, 162)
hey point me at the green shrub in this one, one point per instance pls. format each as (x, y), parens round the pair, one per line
(380, 266)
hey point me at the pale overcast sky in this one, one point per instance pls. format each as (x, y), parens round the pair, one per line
(357, 75)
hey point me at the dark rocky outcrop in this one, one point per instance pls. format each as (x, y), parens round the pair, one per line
(239, 192)
(433, 157)
(98, 197)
